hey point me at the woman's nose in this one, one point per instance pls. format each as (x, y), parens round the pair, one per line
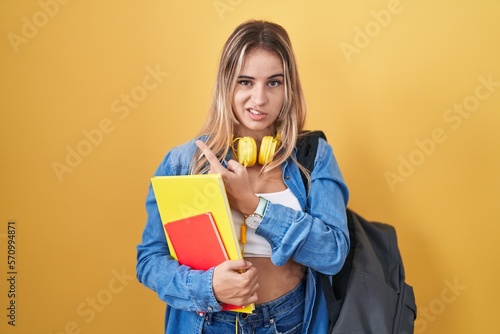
(259, 95)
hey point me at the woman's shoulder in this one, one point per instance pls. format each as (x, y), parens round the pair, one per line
(324, 150)
(187, 146)
(178, 158)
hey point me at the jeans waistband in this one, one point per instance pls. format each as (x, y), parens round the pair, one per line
(264, 312)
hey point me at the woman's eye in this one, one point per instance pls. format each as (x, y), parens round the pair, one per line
(244, 82)
(274, 83)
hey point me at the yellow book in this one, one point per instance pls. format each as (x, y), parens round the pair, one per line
(189, 195)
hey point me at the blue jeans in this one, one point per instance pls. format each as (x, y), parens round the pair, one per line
(283, 315)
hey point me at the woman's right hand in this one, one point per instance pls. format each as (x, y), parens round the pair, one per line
(236, 181)
(235, 282)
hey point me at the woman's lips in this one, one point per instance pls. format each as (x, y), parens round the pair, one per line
(255, 114)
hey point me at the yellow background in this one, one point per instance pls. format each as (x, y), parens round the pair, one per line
(382, 79)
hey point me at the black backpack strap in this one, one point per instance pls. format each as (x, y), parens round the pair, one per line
(307, 145)
(332, 303)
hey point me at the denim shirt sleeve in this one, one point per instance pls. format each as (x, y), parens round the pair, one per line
(317, 237)
(179, 286)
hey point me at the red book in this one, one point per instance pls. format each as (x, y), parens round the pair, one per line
(196, 241)
(197, 244)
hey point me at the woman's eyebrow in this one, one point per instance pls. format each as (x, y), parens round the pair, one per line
(276, 75)
(252, 78)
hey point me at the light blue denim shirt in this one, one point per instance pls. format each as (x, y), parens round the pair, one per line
(316, 237)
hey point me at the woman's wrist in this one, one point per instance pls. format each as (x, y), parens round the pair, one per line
(252, 206)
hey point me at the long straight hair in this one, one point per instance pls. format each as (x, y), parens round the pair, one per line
(221, 122)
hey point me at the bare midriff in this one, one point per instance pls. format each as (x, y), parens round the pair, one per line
(275, 281)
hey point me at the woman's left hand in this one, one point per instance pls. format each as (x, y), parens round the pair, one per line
(236, 180)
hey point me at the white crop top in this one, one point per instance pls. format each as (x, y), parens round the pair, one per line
(257, 246)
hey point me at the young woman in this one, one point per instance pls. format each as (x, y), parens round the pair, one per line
(292, 233)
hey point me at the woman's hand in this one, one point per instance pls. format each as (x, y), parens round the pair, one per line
(236, 180)
(235, 282)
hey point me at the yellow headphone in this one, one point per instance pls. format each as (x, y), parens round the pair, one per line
(246, 150)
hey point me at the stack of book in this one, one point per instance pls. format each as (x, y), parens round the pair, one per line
(198, 223)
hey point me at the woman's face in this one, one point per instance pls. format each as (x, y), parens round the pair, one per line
(259, 93)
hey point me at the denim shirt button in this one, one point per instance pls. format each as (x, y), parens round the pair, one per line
(210, 308)
(287, 177)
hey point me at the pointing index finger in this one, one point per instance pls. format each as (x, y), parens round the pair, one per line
(211, 157)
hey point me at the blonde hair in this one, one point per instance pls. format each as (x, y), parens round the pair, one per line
(221, 122)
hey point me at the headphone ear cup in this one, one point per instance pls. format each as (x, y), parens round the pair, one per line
(247, 151)
(267, 149)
